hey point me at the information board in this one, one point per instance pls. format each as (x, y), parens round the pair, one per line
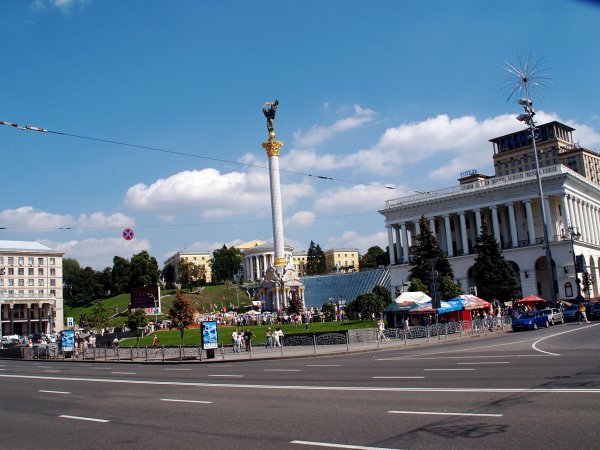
(68, 341)
(210, 337)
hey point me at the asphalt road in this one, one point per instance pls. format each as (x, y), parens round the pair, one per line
(512, 390)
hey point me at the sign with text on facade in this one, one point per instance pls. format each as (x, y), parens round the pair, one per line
(210, 337)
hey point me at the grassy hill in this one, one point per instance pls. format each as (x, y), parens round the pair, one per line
(221, 295)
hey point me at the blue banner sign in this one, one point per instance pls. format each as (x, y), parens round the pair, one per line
(68, 341)
(210, 338)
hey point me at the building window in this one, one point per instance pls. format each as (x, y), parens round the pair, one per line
(30, 260)
(52, 261)
(40, 272)
(1, 259)
(11, 271)
(52, 282)
(40, 261)
(40, 292)
(52, 272)
(21, 271)
(11, 282)
(21, 260)
(21, 282)
(52, 292)
(11, 260)
(40, 281)
(30, 282)
(30, 271)
(568, 289)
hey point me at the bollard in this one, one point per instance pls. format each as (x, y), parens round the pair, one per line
(131, 350)
(146, 352)
(315, 344)
(180, 354)
(347, 342)
(163, 353)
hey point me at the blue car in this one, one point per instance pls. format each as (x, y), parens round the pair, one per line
(530, 320)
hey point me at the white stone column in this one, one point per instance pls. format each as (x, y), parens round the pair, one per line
(448, 235)
(530, 226)
(495, 225)
(257, 267)
(513, 225)
(391, 248)
(404, 242)
(594, 230)
(399, 242)
(580, 223)
(432, 226)
(565, 211)
(463, 233)
(549, 222)
(596, 224)
(478, 221)
(572, 215)
(417, 228)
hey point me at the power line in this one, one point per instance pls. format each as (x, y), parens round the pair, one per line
(191, 155)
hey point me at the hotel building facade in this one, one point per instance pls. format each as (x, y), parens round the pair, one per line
(31, 288)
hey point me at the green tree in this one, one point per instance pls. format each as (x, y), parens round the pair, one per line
(295, 305)
(383, 293)
(417, 285)
(225, 263)
(99, 316)
(105, 279)
(190, 274)
(136, 321)
(71, 269)
(315, 260)
(494, 276)
(169, 275)
(586, 283)
(181, 313)
(329, 311)
(121, 275)
(366, 306)
(144, 270)
(374, 258)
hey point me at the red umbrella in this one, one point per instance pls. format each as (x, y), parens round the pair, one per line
(531, 299)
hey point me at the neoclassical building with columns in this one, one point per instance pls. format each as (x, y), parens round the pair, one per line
(509, 204)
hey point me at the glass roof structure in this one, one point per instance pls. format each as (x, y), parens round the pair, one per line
(322, 289)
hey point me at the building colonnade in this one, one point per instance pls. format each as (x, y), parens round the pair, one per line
(25, 318)
(515, 223)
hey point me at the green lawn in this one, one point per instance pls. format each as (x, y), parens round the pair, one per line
(221, 295)
(192, 335)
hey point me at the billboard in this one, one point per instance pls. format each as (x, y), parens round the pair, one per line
(68, 341)
(210, 338)
(146, 297)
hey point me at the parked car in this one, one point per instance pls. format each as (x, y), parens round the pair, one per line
(555, 315)
(530, 320)
(570, 313)
(594, 311)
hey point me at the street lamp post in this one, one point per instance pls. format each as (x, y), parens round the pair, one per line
(575, 235)
(527, 118)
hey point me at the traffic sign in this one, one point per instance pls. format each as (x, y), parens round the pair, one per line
(128, 234)
(70, 322)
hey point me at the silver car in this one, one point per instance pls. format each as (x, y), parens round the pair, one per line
(555, 315)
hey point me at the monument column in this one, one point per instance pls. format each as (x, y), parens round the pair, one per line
(391, 245)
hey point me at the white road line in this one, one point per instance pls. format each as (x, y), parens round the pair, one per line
(226, 375)
(183, 401)
(444, 370)
(178, 369)
(54, 392)
(282, 370)
(396, 378)
(482, 363)
(332, 445)
(432, 413)
(534, 345)
(311, 388)
(103, 368)
(89, 419)
(123, 373)
(52, 371)
(2, 369)
(323, 365)
(44, 367)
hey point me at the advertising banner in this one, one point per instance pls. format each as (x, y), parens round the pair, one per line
(146, 297)
(210, 338)
(68, 341)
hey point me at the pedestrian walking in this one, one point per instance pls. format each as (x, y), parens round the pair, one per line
(248, 339)
(155, 342)
(582, 313)
(269, 338)
(381, 331)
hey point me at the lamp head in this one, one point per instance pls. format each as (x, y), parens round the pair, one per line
(523, 117)
(524, 102)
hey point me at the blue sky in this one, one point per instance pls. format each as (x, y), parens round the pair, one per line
(395, 93)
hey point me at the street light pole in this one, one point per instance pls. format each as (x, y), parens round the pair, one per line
(527, 118)
(575, 235)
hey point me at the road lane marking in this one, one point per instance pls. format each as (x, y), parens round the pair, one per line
(433, 413)
(178, 369)
(323, 365)
(482, 363)
(44, 367)
(534, 345)
(226, 375)
(396, 378)
(282, 370)
(52, 371)
(332, 445)
(444, 370)
(311, 388)
(53, 392)
(89, 419)
(123, 373)
(2, 369)
(184, 401)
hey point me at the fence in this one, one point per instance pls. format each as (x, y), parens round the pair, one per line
(292, 345)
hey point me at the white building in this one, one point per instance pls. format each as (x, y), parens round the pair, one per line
(31, 288)
(509, 204)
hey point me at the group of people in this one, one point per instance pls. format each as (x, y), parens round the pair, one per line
(242, 340)
(274, 337)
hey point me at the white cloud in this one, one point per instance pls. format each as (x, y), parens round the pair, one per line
(350, 200)
(211, 194)
(317, 134)
(98, 253)
(63, 5)
(352, 239)
(30, 217)
(300, 219)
